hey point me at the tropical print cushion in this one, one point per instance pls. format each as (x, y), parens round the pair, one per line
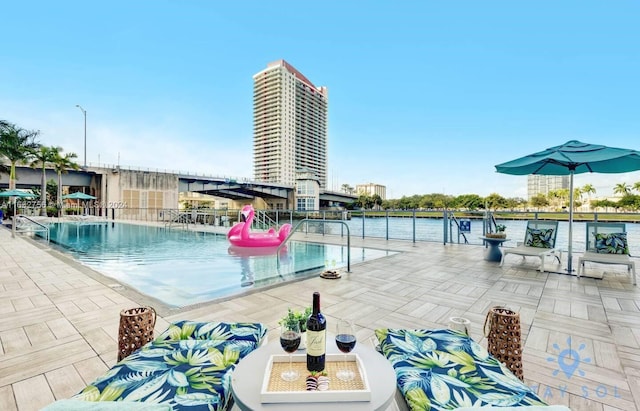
(187, 367)
(538, 237)
(191, 330)
(444, 370)
(613, 243)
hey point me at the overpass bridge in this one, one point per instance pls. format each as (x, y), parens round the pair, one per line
(225, 187)
(28, 177)
(231, 188)
(246, 189)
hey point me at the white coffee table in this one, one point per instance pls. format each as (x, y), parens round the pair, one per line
(247, 378)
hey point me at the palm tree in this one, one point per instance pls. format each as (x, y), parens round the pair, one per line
(588, 189)
(62, 164)
(42, 157)
(346, 188)
(622, 189)
(3, 126)
(17, 145)
(560, 196)
(563, 194)
(377, 201)
(553, 197)
(636, 186)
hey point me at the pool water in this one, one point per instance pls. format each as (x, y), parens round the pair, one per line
(182, 268)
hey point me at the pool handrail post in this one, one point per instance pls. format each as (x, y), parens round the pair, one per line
(414, 226)
(324, 218)
(444, 228)
(387, 218)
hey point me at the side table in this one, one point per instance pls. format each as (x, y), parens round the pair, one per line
(494, 253)
(246, 380)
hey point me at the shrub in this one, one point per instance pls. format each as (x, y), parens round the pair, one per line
(73, 211)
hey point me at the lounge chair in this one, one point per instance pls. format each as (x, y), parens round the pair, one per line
(539, 241)
(188, 365)
(606, 243)
(447, 370)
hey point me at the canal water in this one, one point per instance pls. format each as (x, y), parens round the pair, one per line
(429, 229)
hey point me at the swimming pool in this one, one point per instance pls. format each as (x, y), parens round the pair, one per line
(181, 267)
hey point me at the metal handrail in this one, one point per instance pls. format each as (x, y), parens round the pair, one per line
(313, 220)
(493, 220)
(455, 220)
(42, 227)
(263, 221)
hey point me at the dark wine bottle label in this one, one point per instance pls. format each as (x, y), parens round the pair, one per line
(316, 342)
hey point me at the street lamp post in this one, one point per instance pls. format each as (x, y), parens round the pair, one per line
(84, 112)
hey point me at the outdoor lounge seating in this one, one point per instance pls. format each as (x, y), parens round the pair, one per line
(443, 369)
(539, 241)
(188, 365)
(606, 243)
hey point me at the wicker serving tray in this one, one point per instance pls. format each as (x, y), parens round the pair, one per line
(275, 389)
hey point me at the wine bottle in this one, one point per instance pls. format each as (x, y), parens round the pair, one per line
(316, 337)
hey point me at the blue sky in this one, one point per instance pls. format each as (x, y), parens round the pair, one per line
(424, 96)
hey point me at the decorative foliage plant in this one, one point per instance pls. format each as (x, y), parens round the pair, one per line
(296, 316)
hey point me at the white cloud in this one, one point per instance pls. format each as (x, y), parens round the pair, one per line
(143, 146)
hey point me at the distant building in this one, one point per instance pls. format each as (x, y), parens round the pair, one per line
(290, 125)
(307, 192)
(372, 189)
(539, 184)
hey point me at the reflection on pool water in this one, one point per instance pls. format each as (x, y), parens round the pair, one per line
(181, 267)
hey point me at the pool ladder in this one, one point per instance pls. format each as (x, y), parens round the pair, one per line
(455, 220)
(25, 224)
(262, 221)
(313, 220)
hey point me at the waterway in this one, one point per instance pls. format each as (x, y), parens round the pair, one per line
(428, 229)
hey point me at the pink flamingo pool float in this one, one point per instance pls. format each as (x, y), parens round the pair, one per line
(241, 236)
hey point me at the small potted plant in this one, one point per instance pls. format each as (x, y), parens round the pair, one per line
(301, 318)
(500, 232)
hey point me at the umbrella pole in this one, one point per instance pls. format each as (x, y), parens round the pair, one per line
(569, 248)
(13, 220)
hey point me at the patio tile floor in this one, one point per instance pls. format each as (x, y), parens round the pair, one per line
(59, 320)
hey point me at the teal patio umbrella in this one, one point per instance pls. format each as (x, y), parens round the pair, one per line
(15, 194)
(78, 196)
(574, 157)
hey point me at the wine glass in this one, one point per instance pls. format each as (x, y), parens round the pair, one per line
(346, 341)
(290, 341)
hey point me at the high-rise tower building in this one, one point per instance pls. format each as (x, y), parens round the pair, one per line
(290, 125)
(541, 184)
